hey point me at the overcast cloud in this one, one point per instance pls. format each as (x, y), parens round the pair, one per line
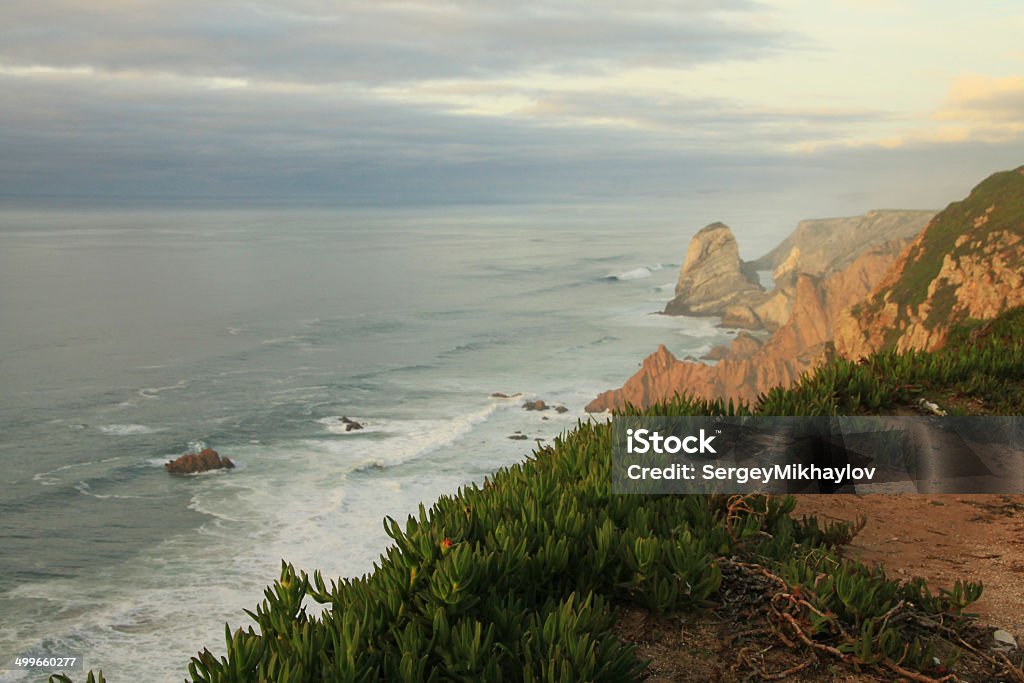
(464, 101)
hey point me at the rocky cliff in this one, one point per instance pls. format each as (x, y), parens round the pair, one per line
(967, 263)
(714, 281)
(712, 277)
(826, 245)
(746, 370)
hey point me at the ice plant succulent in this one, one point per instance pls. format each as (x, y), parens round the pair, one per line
(545, 550)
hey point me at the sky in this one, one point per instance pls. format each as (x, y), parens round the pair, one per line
(870, 102)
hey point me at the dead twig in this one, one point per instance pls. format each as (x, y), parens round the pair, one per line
(1011, 668)
(779, 675)
(914, 676)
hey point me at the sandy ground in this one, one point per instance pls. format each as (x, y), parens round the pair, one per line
(941, 538)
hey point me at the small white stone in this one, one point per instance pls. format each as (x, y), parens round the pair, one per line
(1004, 638)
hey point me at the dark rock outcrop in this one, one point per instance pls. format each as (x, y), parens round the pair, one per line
(535, 405)
(350, 424)
(203, 461)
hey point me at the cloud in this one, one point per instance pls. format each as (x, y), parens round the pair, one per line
(378, 41)
(976, 108)
(440, 98)
(84, 131)
(985, 108)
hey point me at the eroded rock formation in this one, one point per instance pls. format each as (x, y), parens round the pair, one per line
(712, 277)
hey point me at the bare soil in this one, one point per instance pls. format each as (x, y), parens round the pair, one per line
(938, 537)
(941, 538)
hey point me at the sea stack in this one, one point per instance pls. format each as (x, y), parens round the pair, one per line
(713, 277)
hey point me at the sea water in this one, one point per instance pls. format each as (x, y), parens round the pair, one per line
(130, 337)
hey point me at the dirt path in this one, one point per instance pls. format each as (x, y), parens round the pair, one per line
(941, 538)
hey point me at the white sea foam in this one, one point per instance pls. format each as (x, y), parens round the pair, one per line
(638, 273)
(634, 274)
(334, 425)
(194, 446)
(86, 490)
(54, 476)
(144, 607)
(128, 429)
(154, 392)
(407, 439)
(698, 330)
(292, 487)
(281, 340)
(316, 502)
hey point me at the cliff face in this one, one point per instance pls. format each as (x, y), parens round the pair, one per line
(967, 263)
(802, 343)
(712, 277)
(826, 245)
(714, 281)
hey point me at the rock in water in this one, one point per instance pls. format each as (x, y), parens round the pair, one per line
(193, 463)
(350, 424)
(535, 405)
(712, 277)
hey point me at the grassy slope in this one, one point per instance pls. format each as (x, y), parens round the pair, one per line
(1005, 192)
(518, 579)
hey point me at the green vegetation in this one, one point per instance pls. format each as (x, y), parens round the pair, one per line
(519, 579)
(980, 371)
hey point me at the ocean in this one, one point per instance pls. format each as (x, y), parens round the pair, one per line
(129, 337)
